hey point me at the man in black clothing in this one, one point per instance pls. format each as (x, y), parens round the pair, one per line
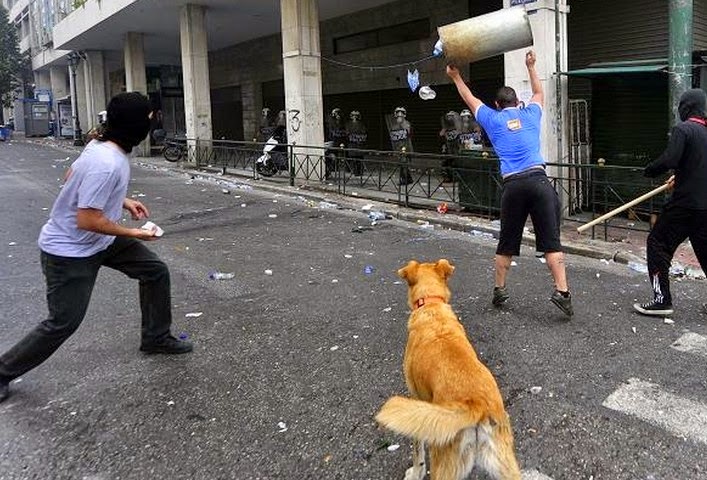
(685, 214)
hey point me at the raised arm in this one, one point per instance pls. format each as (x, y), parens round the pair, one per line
(535, 85)
(472, 102)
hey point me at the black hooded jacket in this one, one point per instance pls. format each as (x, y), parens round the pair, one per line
(686, 153)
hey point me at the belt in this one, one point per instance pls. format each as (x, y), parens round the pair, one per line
(528, 172)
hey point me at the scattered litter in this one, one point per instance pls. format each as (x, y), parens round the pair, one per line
(442, 208)
(335, 280)
(282, 426)
(367, 207)
(638, 267)
(361, 229)
(268, 272)
(355, 337)
(397, 282)
(394, 447)
(426, 93)
(221, 276)
(141, 195)
(152, 226)
(368, 269)
(183, 336)
(73, 413)
(387, 309)
(272, 215)
(604, 260)
(542, 260)
(170, 403)
(243, 205)
(225, 191)
(427, 226)
(633, 329)
(12, 244)
(514, 263)
(479, 233)
(194, 314)
(375, 216)
(536, 390)
(677, 270)
(668, 321)
(598, 275)
(334, 348)
(327, 205)
(348, 256)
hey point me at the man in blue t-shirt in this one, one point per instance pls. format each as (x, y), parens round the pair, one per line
(84, 233)
(514, 131)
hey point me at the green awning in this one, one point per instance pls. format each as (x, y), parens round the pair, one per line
(617, 68)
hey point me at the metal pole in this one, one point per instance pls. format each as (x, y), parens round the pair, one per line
(679, 53)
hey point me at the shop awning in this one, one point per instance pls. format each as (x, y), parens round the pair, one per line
(619, 68)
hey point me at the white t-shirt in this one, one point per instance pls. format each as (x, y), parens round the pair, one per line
(99, 179)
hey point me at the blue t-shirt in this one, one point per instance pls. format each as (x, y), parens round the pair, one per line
(515, 135)
(99, 179)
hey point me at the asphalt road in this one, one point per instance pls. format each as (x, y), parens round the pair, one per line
(318, 346)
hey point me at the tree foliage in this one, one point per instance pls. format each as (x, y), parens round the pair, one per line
(11, 61)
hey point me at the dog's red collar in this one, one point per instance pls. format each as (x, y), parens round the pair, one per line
(421, 302)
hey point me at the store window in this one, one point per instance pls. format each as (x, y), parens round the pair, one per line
(401, 33)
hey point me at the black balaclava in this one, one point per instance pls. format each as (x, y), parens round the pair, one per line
(128, 121)
(692, 104)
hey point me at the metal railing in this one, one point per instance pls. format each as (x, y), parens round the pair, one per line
(469, 183)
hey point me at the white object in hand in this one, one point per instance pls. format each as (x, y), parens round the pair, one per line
(152, 226)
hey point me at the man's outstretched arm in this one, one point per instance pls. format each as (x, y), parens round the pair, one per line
(535, 85)
(472, 102)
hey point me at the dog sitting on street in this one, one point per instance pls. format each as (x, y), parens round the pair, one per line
(456, 407)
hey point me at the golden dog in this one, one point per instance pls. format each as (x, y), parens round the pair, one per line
(456, 407)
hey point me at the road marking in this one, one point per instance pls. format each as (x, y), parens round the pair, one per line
(691, 343)
(680, 416)
(533, 475)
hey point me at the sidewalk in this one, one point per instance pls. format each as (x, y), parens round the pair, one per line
(625, 246)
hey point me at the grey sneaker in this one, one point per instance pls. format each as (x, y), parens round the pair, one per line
(500, 296)
(653, 308)
(563, 303)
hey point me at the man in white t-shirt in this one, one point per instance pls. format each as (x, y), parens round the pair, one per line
(83, 233)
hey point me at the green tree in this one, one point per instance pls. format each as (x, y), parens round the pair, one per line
(11, 61)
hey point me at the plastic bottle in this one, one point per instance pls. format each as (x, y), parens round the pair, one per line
(375, 216)
(439, 49)
(221, 276)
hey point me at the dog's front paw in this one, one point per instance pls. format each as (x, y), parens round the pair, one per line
(415, 473)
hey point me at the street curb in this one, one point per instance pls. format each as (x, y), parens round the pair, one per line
(449, 220)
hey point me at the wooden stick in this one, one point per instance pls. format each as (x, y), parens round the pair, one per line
(624, 207)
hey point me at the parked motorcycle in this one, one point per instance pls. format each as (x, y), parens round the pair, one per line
(175, 149)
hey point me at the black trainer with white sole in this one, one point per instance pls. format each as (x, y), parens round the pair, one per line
(500, 296)
(654, 308)
(563, 302)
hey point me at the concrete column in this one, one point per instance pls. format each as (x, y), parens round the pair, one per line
(59, 77)
(301, 58)
(94, 74)
(679, 53)
(195, 72)
(81, 101)
(252, 100)
(551, 60)
(703, 77)
(136, 75)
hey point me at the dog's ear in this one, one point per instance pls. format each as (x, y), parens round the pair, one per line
(408, 272)
(444, 268)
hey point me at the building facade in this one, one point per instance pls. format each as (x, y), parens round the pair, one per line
(211, 68)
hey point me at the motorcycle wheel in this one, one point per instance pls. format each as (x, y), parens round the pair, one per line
(266, 168)
(172, 153)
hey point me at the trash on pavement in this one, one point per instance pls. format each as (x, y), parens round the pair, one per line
(368, 269)
(221, 276)
(225, 191)
(367, 207)
(394, 447)
(376, 216)
(12, 244)
(183, 336)
(514, 263)
(638, 267)
(268, 272)
(348, 256)
(282, 426)
(442, 208)
(334, 348)
(170, 403)
(194, 314)
(633, 329)
(536, 390)
(387, 309)
(327, 205)
(272, 215)
(668, 321)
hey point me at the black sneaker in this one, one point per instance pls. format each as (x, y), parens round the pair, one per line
(562, 302)
(4, 390)
(653, 308)
(169, 345)
(500, 296)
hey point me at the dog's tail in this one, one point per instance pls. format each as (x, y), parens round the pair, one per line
(436, 424)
